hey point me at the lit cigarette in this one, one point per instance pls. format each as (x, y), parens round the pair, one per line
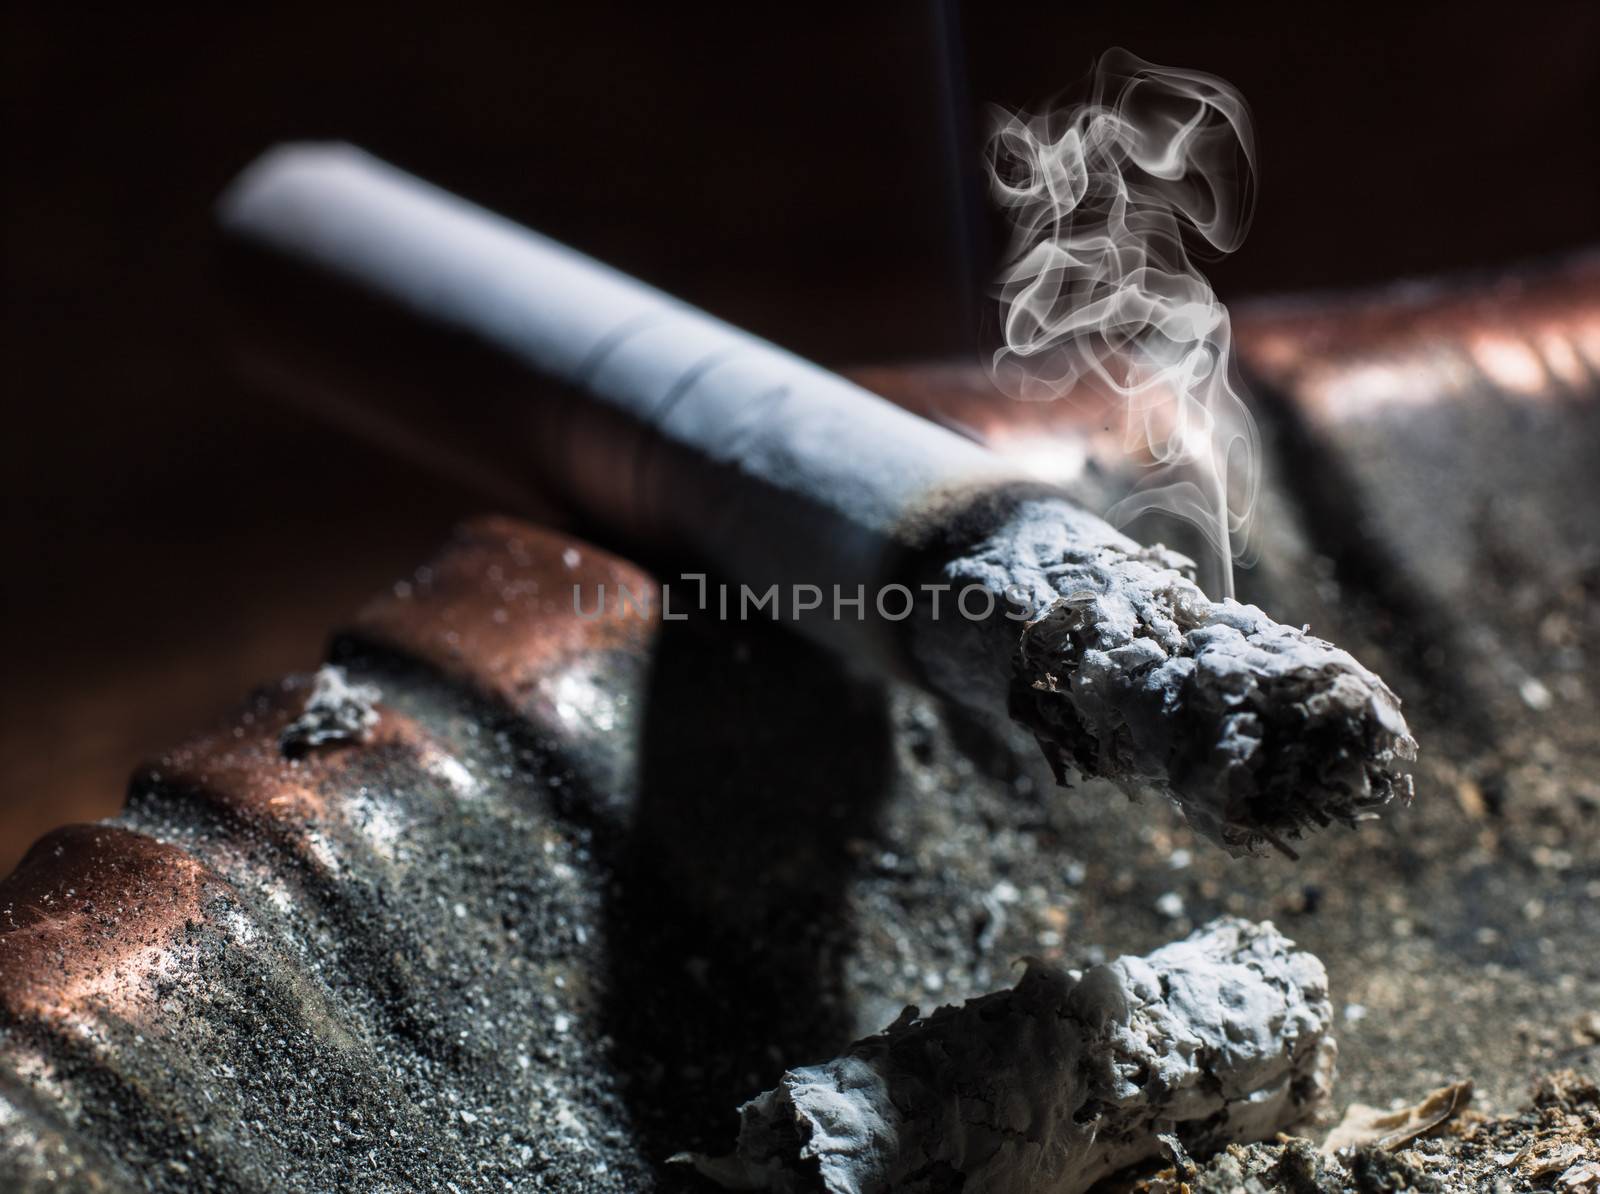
(932, 556)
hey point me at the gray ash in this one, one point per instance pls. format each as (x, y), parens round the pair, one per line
(337, 711)
(1258, 731)
(1064, 1078)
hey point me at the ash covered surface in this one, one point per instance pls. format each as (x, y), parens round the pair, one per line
(449, 956)
(372, 992)
(1554, 1144)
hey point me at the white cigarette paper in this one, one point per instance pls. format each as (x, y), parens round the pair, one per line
(853, 463)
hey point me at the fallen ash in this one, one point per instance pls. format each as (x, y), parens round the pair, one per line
(337, 711)
(1060, 1080)
(1554, 1144)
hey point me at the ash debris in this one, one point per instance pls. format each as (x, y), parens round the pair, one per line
(389, 992)
(1066, 1077)
(965, 862)
(1554, 1144)
(337, 711)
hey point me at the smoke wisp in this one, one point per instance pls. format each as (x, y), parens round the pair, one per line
(1110, 202)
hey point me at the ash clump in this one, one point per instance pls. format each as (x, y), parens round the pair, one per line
(1060, 1080)
(1258, 731)
(337, 711)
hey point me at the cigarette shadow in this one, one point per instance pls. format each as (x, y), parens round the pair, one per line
(1426, 640)
(763, 765)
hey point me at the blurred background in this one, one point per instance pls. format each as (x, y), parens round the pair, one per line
(172, 536)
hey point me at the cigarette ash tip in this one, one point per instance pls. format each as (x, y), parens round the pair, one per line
(1259, 731)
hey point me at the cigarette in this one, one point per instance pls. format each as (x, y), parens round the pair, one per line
(1049, 1086)
(929, 557)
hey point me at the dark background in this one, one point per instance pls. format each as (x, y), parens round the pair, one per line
(172, 536)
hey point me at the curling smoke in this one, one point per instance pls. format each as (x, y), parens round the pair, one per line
(1107, 203)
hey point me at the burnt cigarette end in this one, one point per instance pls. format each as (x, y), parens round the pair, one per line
(336, 712)
(1258, 731)
(1049, 1086)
